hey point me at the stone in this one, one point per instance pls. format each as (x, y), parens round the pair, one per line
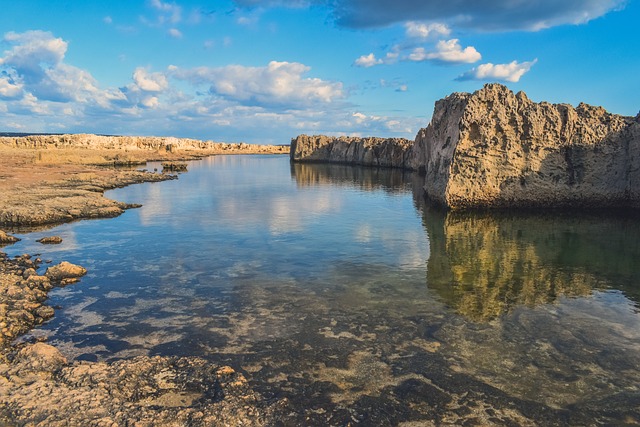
(7, 238)
(41, 357)
(64, 271)
(174, 167)
(50, 240)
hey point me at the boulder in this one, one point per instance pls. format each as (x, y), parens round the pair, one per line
(65, 271)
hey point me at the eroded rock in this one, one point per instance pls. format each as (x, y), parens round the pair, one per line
(7, 238)
(50, 240)
(65, 272)
(494, 148)
(389, 152)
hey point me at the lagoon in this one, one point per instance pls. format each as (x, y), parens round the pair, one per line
(342, 290)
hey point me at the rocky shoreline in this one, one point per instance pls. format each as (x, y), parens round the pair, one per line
(39, 387)
(51, 179)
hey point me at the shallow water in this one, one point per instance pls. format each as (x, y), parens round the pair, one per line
(342, 290)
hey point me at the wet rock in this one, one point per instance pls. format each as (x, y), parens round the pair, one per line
(143, 391)
(50, 240)
(65, 271)
(7, 238)
(174, 167)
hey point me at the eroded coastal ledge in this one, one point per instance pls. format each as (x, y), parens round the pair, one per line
(494, 148)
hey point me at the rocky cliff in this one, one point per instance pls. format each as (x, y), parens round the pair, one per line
(389, 152)
(494, 148)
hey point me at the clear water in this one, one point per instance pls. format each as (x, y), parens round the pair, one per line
(342, 290)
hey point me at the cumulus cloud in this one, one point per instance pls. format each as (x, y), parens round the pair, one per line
(483, 15)
(423, 30)
(149, 82)
(367, 61)
(279, 83)
(35, 66)
(41, 91)
(447, 51)
(511, 72)
(9, 89)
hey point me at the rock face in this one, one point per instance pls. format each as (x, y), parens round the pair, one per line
(390, 152)
(494, 148)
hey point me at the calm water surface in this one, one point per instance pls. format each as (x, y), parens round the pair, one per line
(340, 289)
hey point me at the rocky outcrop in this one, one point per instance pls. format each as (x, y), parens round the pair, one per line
(7, 238)
(389, 152)
(494, 148)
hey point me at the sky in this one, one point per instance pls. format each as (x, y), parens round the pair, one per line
(265, 71)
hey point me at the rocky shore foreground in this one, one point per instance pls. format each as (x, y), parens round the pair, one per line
(494, 148)
(50, 179)
(39, 387)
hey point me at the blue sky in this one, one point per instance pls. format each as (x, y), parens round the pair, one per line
(264, 71)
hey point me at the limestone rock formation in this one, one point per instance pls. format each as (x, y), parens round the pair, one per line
(494, 148)
(389, 152)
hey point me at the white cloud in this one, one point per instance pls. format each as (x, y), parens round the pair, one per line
(267, 104)
(447, 51)
(175, 33)
(107, 20)
(167, 12)
(511, 72)
(367, 61)
(149, 82)
(8, 89)
(279, 83)
(422, 30)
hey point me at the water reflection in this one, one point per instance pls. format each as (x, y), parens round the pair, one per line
(485, 263)
(311, 280)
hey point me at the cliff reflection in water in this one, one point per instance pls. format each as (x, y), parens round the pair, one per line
(483, 264)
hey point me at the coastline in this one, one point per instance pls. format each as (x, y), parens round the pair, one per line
(38, 386)
(49, 180)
